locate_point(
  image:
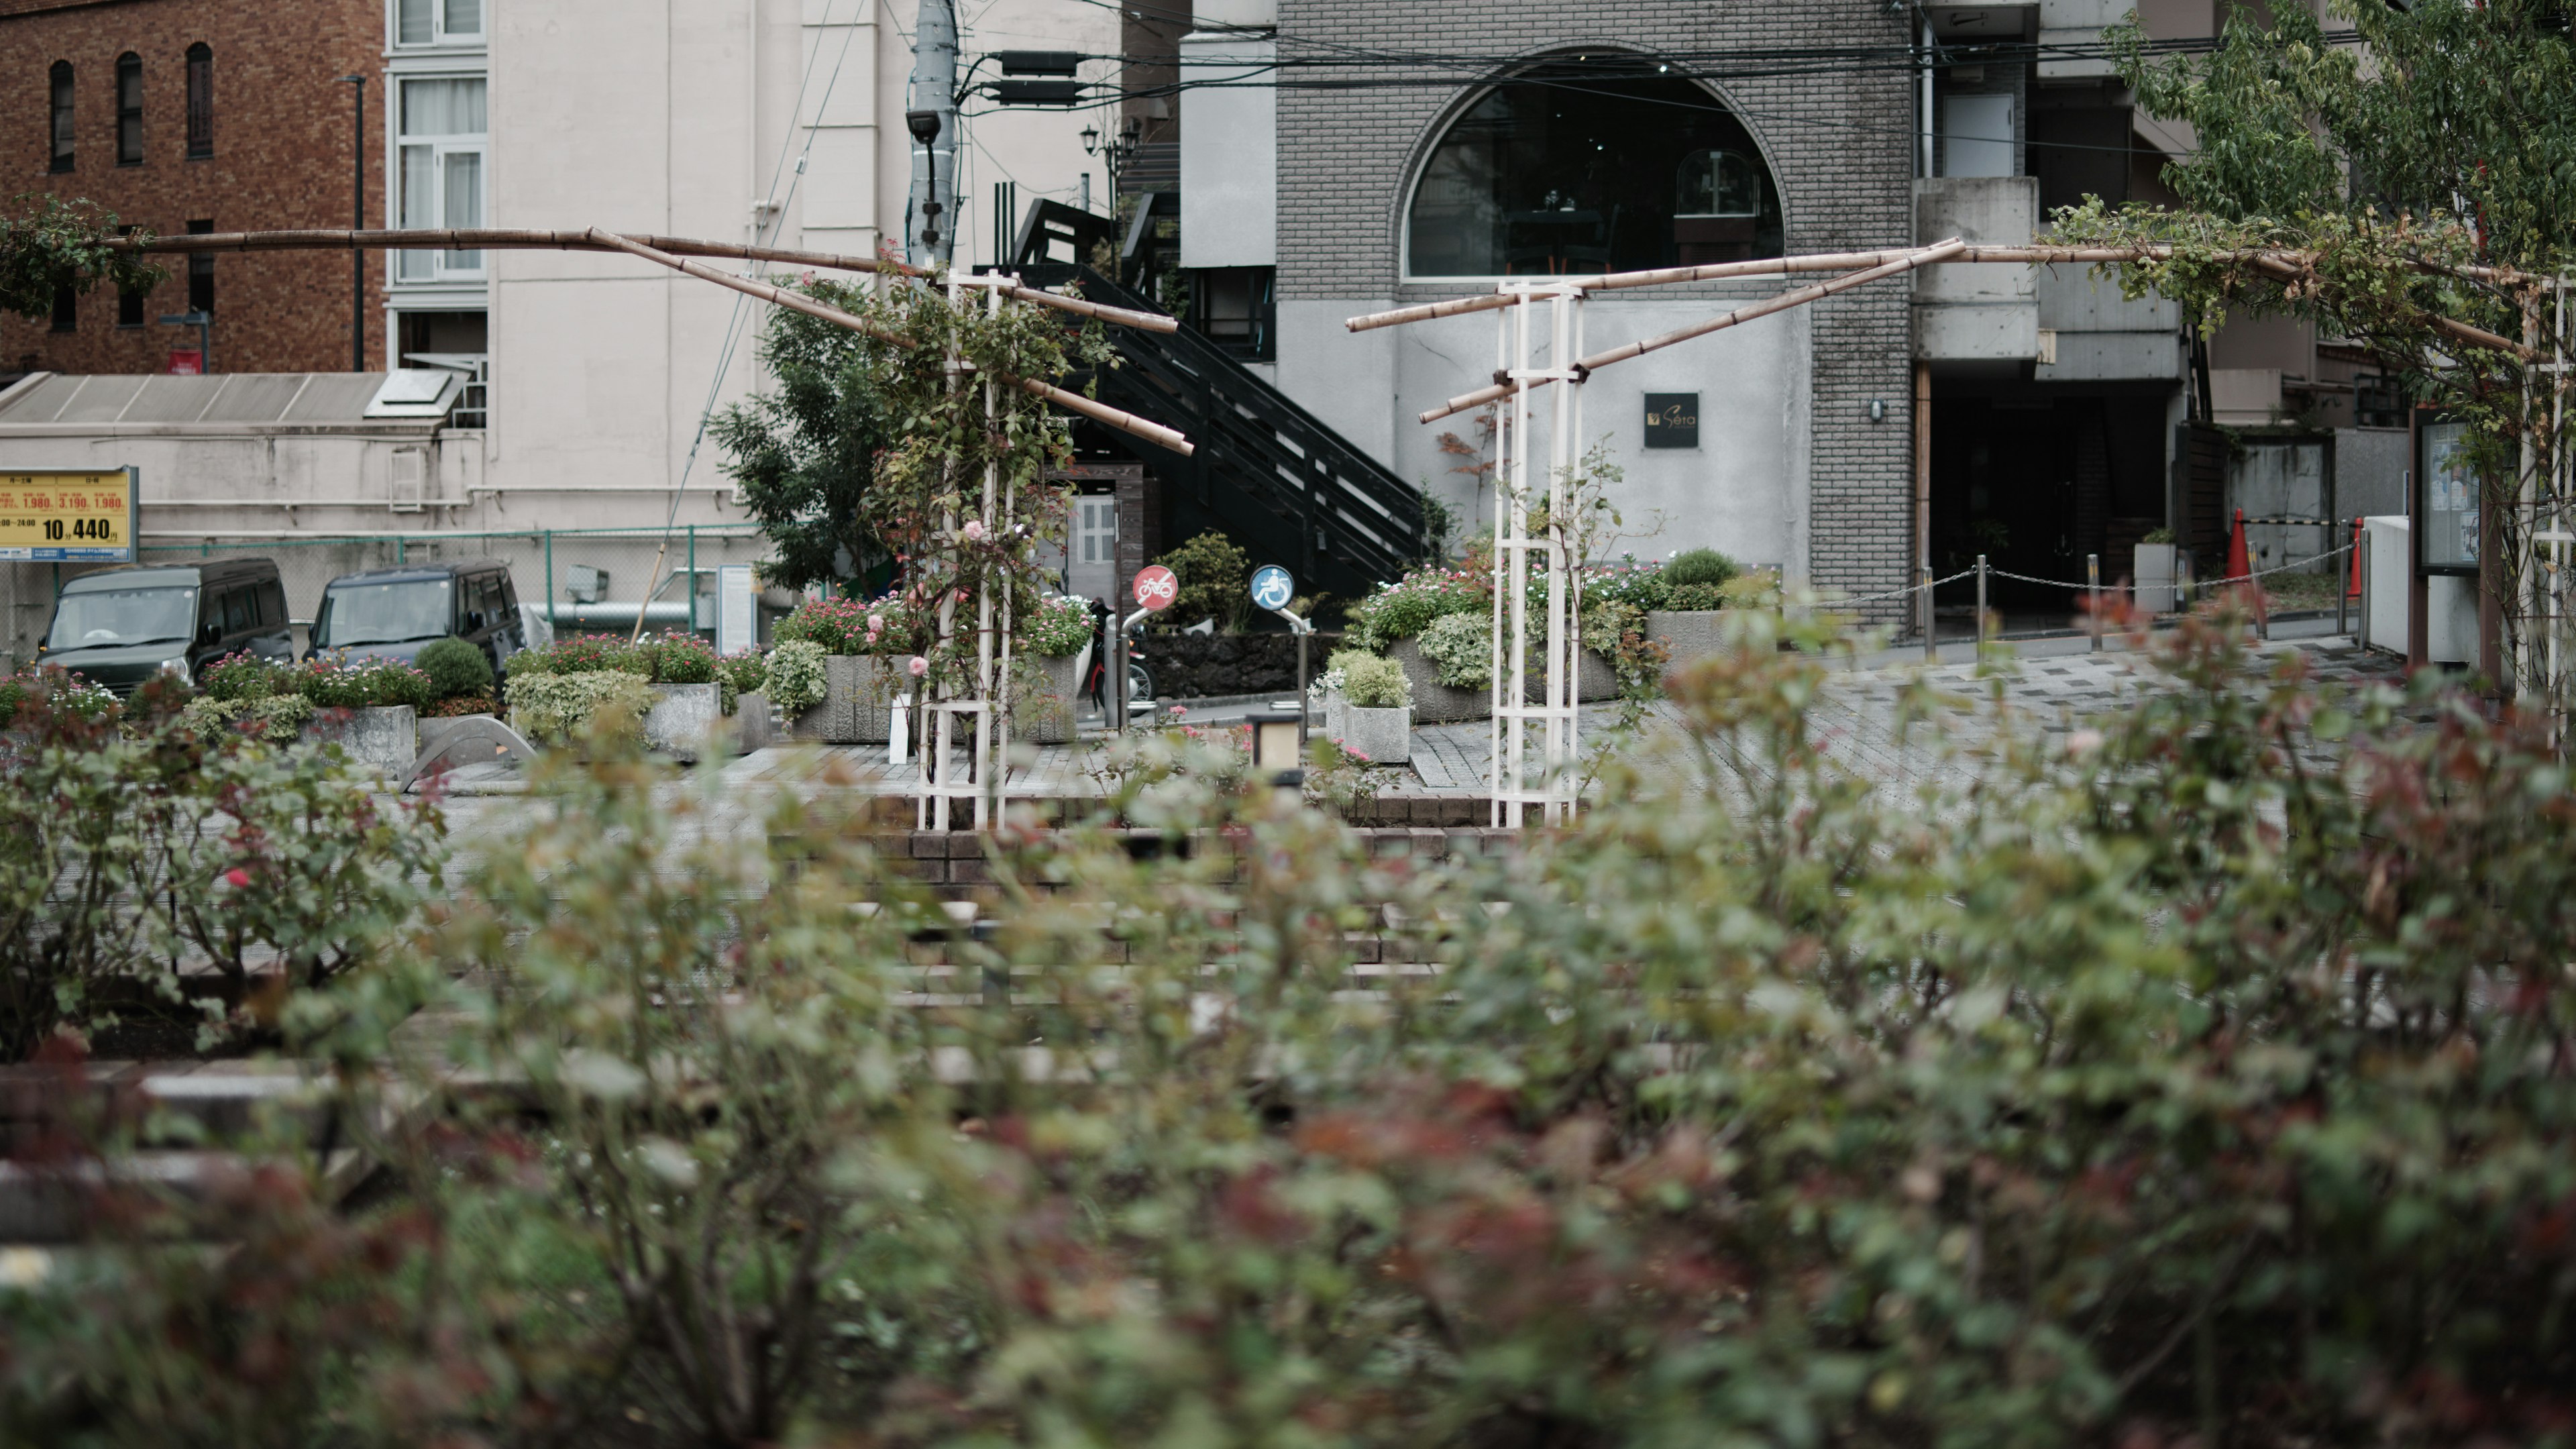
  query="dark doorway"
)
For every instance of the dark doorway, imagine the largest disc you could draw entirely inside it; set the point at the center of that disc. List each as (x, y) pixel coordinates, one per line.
(2037, 479)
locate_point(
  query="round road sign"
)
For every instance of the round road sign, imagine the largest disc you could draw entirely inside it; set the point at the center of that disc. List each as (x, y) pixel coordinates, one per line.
(1156, 588)
(1272, 588)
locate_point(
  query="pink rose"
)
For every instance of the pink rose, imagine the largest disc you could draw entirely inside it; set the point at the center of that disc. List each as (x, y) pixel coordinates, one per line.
(875, 622)
(237, 876)
(974, 530)
(919, 666)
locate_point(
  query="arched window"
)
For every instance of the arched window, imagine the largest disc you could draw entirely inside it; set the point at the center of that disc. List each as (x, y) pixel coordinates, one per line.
(201, 100)
(129, 109)
(1581, 167)
(62, 85)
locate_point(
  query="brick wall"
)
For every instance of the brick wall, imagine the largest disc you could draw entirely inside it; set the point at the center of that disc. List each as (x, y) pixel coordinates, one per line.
(1841, 146)
(282, 139)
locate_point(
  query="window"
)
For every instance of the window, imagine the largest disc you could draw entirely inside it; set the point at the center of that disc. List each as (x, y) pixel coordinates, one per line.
(437, 22)
(201, 271)
(66, 309)
(201, 101)
(62, 79)
(1235, 307)
(1554, 173)
(129, 109)
(440, 156)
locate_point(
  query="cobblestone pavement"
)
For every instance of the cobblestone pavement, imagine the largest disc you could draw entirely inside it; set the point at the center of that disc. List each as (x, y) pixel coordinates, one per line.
(1855, 720)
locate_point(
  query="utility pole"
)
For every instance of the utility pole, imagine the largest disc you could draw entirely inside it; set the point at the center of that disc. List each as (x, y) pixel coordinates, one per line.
(930, 225)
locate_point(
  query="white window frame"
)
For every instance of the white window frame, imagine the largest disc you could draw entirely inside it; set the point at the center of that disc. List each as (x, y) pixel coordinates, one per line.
(424, 269)
(439, 34)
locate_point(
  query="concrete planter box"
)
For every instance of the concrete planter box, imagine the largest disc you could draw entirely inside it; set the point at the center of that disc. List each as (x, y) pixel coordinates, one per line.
(858, 701)
(1336, 714)
(1384, 735)
(1595, 679)
(2152, 574)
(1434, 702)
(751, 726)
(385, 739)
(683, 718)
(1044, 715)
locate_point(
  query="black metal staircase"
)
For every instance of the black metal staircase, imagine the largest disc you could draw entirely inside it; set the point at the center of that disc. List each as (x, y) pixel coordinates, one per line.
(1272, 475)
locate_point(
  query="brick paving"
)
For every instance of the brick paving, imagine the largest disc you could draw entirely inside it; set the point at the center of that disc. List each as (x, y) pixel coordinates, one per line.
(1855, 720)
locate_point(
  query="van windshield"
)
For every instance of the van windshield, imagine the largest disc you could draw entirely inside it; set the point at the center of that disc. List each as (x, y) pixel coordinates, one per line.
(116, 618)
(355, 614)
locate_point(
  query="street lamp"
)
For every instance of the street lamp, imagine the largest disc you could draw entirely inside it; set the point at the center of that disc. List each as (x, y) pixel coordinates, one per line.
(924, 126)
(357, 222)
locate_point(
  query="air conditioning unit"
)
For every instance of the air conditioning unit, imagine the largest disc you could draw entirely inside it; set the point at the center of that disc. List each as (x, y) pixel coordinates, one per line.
(584, 584)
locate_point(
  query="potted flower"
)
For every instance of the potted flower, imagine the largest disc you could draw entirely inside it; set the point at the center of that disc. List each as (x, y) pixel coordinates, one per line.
(1050, 640)
(1378, 722)
(1396, 619)
(2152, 572)
(861, 642)
(370, 708)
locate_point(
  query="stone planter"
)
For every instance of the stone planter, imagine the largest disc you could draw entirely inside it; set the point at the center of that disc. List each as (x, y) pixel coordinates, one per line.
(683, 718)
(1385, 736)
(858, 701)
(2152, 574)
(1434, 702)
(751, 727)
(1043, 715)
(384, 739)
(1337, 714)
(1595, 679)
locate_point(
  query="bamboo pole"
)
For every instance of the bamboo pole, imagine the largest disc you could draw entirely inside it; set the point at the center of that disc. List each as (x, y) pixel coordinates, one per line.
(1841, 261)
(775, 296)
(1128, 423)
(1904, 263)
(507, 239)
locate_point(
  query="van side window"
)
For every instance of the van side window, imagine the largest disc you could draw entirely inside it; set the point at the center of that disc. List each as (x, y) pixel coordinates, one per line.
(272, 605)
(240, 613)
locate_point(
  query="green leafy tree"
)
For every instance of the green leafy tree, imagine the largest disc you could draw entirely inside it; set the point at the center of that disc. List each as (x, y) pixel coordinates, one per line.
(805, 452)
(51, 244)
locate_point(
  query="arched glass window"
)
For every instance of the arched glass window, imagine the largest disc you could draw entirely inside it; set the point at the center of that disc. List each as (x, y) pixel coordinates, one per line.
(201, 100)
(1566, 171)
(62, 128)
(129, 109)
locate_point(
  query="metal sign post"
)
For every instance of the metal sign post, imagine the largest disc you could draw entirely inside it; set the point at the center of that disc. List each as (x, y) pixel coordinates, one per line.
(1272, 589)
(1514, 791)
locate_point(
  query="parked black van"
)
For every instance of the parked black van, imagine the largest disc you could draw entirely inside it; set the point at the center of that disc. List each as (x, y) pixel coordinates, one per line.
(393, 613)
(121, 626)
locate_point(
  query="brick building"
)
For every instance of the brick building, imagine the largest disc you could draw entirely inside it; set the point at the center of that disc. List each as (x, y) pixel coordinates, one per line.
(211, 115)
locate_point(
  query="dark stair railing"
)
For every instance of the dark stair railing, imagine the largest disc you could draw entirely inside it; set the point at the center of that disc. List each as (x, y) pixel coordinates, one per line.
(1273, 475)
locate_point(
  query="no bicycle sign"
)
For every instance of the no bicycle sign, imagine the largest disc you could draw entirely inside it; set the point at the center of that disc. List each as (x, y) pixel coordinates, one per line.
(1156, 588)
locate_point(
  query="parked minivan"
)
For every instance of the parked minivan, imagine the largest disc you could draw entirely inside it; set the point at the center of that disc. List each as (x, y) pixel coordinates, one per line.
(394, 613)
(121, 626)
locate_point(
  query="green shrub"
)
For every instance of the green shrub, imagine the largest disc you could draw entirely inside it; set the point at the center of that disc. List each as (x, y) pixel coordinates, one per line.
(1461, 649)
(582, 654)
(1215, 579)
(795, 679)
(558, 707)
(1689, 598)
(1369, 682)
(1629, 582)
(1402, 610)
(278, 719)
(1700, 566)
(456, 667)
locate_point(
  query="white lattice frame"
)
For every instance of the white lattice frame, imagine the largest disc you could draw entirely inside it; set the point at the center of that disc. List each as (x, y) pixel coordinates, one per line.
(936, 782)
(1513, 790)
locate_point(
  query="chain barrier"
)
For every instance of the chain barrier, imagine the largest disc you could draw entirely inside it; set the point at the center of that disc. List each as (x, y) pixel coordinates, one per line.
(2282, 568)
(1901, 593)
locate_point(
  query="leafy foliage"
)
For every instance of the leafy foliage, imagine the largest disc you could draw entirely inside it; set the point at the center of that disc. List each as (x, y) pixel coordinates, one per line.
(1700, 566)
(1059, 626)
(278, 719)
(1403, 609)
(2199, 1073)
(850, 626)
(796, 682)
(455, 667)
(1215, 578)
(50, 244)
(740, 674)
(336, 682)
(1370, 682)
(559, 707)
(1461, 649)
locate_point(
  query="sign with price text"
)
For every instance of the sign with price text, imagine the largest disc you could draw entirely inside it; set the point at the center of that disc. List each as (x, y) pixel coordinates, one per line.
(67, 516)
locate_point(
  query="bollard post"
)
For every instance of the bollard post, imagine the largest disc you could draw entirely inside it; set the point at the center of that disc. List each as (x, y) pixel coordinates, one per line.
(1981, 606)
(2093, 596)
(693, 578)
(1931, 620)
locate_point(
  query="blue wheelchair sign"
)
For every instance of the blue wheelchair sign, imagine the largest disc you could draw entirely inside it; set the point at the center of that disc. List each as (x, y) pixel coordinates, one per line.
(1272, 588)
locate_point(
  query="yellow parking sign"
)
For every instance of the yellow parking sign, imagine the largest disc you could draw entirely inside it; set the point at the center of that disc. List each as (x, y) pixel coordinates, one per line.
(67, 515)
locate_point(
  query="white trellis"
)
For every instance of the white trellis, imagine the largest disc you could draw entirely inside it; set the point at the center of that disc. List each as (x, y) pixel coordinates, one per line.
(984, 700)
(1553, 790)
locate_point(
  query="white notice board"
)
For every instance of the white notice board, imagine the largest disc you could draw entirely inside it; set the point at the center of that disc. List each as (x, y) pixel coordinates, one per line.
(737, 623)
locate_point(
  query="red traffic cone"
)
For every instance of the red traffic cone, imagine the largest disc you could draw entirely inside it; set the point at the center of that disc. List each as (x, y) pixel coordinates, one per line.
(2239, 564)
(2352, 590)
